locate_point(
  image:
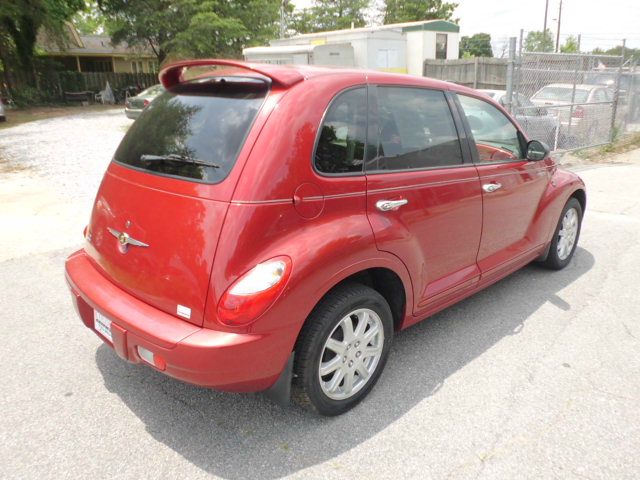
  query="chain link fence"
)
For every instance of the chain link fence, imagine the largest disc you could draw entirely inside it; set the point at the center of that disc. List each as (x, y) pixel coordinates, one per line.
(567, 100)
(572, 101)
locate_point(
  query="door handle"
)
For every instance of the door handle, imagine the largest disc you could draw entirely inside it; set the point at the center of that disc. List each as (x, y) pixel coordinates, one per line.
(491, 187)
(389, 205)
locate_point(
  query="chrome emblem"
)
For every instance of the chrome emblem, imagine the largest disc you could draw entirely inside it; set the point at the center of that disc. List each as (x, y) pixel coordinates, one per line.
(124, 240)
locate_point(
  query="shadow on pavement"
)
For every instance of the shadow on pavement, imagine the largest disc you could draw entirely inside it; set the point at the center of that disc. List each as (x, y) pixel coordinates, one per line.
(247, 436)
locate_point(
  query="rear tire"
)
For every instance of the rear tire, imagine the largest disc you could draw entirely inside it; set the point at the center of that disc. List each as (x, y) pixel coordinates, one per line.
(565, 237)
(342, 349)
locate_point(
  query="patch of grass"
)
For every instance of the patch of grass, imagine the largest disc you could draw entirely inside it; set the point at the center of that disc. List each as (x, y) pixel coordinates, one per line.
(24, 115)
(622, 144)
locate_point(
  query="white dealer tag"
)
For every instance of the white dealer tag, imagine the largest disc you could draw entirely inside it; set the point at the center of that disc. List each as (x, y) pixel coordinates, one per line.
(184, 312)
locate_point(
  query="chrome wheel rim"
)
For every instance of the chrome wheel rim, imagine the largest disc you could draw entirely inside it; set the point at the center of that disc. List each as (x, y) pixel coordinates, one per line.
(567, 234)
(351, 354)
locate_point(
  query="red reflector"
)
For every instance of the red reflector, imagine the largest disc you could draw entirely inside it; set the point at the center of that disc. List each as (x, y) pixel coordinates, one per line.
(152, 358)
(578, 112)
(160, 363)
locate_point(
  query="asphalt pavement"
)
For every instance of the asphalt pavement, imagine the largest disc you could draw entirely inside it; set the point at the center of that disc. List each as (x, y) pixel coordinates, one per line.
(536, 377)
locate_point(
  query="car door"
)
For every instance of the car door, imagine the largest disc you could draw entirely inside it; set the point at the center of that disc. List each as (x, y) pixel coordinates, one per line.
(512, 187)
(423, 201)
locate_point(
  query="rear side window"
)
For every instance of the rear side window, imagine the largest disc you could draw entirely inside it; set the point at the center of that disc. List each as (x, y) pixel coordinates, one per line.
(194, 131)
(415, 130)
(340, 148)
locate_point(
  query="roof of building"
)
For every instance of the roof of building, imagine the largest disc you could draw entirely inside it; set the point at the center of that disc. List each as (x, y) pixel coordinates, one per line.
(429, 25)
(90, 45)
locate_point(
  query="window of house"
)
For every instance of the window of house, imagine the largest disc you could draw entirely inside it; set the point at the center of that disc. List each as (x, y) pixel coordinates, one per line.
(415, 131)
(441, 45)
(343, 133)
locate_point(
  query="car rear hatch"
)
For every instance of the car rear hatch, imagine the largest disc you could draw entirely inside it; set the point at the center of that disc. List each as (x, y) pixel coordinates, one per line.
(160, 208)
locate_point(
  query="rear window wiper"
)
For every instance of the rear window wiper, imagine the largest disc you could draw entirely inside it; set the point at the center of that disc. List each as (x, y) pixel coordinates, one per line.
(175, 157)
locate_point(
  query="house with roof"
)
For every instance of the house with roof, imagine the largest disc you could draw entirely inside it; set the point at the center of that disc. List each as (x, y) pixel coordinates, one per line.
(96, 53)
(399, 47)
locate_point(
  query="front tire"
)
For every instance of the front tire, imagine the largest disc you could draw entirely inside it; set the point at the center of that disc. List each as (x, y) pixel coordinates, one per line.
(565, 237)
(342, 349)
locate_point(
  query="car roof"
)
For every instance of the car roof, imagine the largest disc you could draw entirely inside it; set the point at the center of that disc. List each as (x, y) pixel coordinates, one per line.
(497, 93)
(289, 75)
(581, 86)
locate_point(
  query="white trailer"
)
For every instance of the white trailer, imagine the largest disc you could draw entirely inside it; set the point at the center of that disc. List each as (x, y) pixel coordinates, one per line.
(335, 54)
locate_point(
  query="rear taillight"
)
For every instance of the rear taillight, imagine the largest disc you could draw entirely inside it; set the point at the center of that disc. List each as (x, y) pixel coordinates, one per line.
(578, 112)
(145, 102)
(254, 292)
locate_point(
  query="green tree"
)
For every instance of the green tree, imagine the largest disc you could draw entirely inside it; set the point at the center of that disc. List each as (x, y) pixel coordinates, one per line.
(397, 11)
(20, 23)
(326, 15)
(89, 20)
(188, 28)
(209, 35)
(570, 45)
(538, 41)
(629, 53)
(478, 45)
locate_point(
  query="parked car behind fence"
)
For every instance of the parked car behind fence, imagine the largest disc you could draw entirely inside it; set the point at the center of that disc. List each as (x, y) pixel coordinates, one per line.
(583, 111)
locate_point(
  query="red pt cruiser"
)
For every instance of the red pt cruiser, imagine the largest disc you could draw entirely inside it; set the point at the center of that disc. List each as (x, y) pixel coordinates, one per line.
(266, 227)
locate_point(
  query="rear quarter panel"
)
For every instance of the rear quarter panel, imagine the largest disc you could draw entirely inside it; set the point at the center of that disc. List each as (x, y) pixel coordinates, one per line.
(324, 230)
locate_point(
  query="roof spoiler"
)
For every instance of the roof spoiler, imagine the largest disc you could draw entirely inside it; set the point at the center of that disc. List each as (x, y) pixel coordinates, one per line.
(172, 74)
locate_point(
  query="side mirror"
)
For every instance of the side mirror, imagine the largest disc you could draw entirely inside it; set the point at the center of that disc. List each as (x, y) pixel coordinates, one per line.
(537, 150)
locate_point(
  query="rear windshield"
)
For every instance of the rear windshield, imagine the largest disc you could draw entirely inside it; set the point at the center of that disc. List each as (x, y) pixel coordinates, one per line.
(194, 131)
(561, 94)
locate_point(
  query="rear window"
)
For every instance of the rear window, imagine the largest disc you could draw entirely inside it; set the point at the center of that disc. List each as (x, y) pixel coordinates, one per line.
(194, 131)
(561, 94)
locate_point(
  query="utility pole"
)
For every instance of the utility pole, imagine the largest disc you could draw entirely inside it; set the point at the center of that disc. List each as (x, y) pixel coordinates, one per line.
(546, 12)
(283, 4)
(558, 33)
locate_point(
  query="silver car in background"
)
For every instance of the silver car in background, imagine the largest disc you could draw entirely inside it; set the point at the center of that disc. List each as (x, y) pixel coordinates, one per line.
(133, 106)
(586, 118)
(537, 122)
(2, 114)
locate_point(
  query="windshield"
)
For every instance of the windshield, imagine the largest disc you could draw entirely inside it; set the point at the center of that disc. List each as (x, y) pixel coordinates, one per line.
(561, 94)
(191, 125)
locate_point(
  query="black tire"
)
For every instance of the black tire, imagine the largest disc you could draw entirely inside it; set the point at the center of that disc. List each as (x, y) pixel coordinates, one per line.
(553, 260)
(336, 305)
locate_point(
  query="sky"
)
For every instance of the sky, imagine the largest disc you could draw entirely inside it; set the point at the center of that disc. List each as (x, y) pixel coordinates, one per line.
(601, 23)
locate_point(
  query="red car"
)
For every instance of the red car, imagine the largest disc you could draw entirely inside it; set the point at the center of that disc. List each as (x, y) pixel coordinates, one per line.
(267, 227)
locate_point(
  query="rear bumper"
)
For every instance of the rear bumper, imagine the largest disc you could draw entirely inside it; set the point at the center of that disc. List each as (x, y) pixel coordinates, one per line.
(201, 356)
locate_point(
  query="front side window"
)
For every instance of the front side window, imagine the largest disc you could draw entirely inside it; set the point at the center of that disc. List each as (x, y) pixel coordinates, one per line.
(415, 131)
(343, 133)
(495, 136)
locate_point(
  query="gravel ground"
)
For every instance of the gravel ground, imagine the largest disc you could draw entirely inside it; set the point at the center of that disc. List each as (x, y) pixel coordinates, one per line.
(69, 153)
(51, 170)
(536, 377)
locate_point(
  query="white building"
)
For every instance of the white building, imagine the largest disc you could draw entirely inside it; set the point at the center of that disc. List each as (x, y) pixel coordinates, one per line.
(399, 47)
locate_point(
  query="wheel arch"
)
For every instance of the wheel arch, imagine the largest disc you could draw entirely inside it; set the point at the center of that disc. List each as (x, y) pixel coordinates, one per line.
(393, 285)
(581, 195)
